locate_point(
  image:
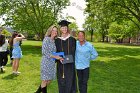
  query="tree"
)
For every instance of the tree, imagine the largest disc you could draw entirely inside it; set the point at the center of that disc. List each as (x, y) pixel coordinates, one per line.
(125, 29)
(73, 26)
(106, 14)
(99, 17)
(32, 15)
(131, 30)
(126, 9)
(6, 33)
(116, 31)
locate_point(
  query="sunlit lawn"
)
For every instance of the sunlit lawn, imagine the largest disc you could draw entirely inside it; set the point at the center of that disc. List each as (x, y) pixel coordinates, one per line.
(116, 70)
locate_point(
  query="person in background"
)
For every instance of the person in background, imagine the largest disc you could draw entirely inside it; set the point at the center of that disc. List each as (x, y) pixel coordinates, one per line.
(16, 52)
(85, 52)
(3, 51)
(0, 30)
(48, 67)
(11, 46)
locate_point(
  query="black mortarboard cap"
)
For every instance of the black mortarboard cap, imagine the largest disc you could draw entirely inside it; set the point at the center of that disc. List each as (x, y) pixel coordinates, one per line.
(64, 23)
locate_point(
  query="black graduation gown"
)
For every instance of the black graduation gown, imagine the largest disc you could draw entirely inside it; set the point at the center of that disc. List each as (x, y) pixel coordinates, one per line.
(68, 83)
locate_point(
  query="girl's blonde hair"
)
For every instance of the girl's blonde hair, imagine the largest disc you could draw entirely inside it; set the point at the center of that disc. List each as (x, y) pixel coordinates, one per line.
(49, 31)
(68, 31)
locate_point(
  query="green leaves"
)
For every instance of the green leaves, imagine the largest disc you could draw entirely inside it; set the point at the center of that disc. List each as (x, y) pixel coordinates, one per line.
(116, 31)
(6, 33)
(32, 15)
(115, 18)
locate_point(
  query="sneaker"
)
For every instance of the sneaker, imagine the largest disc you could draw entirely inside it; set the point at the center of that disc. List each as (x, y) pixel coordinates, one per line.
(17, 73)
(14, 72)
(1, 69)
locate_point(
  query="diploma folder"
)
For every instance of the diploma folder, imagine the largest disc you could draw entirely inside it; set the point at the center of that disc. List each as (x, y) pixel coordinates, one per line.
(61, 54)
(68, 59)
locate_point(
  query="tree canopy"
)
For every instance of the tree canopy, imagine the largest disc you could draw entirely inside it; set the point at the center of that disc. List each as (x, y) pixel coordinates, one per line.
(113, 18)
(31, 16)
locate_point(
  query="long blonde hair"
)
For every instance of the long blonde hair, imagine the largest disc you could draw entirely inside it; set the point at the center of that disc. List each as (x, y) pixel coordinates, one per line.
(68, 30)
(49, 31)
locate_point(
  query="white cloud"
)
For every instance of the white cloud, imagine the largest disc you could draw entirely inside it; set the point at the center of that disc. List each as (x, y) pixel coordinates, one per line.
(1, 19)
(76, 10)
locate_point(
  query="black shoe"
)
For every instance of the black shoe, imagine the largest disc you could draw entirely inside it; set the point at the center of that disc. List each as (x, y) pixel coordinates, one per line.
(38, 90)
(44, 90)
(2, 70)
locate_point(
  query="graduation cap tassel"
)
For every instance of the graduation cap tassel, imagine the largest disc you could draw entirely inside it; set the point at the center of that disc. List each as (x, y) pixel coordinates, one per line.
(63, 76)
(63, 72)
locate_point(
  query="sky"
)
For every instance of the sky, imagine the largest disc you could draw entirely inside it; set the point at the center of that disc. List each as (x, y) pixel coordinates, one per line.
(76, 9)
(1, 21)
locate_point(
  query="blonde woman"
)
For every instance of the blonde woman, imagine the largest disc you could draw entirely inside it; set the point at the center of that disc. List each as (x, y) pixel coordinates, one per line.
(48, 69)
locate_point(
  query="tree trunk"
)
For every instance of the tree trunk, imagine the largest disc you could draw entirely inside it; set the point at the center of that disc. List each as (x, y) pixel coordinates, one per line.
(107, 39)
(42, 36)
(91, 35)
(129, 41)
(103, 38)
(121, 40)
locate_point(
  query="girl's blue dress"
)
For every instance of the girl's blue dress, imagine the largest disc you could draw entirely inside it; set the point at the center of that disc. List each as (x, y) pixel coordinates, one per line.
(16, 53)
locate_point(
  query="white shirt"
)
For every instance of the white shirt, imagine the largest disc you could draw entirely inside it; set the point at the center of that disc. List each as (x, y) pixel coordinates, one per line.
(3, 48)
(64, 38)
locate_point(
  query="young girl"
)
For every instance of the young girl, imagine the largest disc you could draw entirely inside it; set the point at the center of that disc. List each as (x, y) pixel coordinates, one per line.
(16, 53)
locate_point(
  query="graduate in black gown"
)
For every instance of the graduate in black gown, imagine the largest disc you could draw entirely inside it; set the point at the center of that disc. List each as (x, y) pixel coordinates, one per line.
(66, 75)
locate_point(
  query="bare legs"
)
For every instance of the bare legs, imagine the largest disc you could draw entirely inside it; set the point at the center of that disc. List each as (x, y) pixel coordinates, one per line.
(15, 65)
(45, 83)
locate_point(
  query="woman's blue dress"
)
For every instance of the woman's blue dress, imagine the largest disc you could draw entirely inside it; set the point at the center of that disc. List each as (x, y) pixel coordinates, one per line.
(16, 53)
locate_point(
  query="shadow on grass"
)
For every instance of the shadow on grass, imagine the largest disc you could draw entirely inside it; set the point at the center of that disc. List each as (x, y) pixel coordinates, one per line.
(127, 44)
(10, 76)
(9, 65)
(117, 51)
(2, 72)
(116, 76)
(31, 49)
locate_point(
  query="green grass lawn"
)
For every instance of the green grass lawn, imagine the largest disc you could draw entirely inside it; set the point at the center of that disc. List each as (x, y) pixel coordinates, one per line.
(116, 70)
